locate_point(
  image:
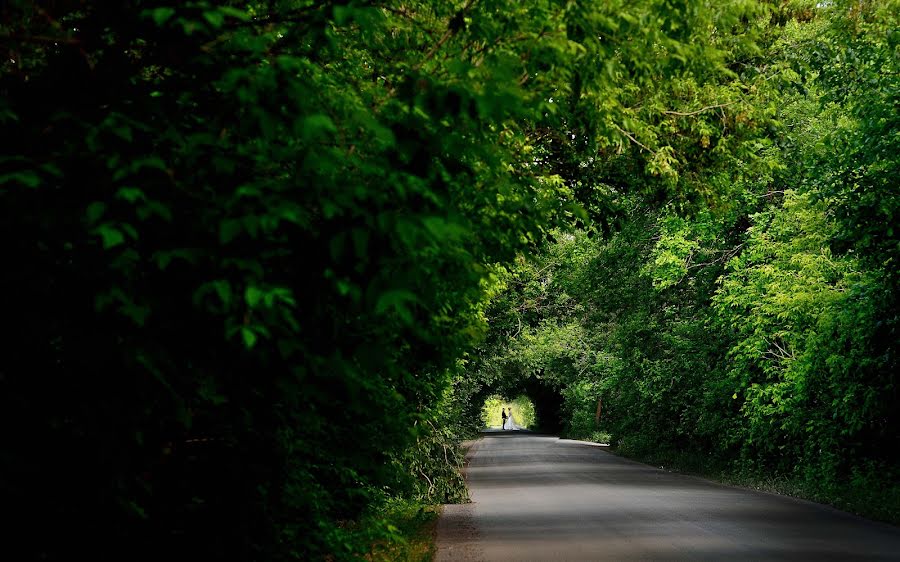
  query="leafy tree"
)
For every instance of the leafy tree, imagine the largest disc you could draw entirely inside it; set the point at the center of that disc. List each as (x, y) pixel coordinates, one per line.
(753, 335)
(252, 241)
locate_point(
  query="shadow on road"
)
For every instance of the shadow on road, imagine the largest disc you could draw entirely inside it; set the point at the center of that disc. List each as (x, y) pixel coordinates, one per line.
(492, 432)
(538, 497)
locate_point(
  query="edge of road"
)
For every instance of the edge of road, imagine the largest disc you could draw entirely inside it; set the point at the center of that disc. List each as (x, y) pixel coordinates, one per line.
(470, 446)
(456, 524)
(709, 480)
(454, 521)
(459, 530)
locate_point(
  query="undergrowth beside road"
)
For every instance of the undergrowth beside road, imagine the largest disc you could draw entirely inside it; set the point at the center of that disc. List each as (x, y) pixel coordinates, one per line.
(400, 524)
(411, 528)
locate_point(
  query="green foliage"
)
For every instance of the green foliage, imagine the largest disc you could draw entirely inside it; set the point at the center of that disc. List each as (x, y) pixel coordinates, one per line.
(433, 465)
(755, 337)
(580, 404)
(266, 259)
(410, 534)
(522, 407)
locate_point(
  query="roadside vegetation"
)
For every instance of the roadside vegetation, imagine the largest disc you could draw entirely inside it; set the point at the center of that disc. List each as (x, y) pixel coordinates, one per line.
(267, 260)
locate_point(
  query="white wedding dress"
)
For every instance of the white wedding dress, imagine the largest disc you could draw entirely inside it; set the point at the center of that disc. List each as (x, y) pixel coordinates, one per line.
(511, 424)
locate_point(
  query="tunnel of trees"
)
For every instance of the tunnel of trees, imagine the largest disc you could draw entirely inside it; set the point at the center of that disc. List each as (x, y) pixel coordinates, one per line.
(544, 398)
(266, 260)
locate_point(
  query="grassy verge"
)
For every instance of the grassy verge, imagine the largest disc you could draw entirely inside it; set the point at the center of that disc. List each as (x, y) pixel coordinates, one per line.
(406, 529)
(411, 537)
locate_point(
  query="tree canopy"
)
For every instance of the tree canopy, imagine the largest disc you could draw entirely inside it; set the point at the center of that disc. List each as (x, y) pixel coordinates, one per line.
(264, 256)
(756, 338)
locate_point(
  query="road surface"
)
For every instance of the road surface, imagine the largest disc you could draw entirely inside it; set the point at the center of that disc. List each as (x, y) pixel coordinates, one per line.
(541, 498)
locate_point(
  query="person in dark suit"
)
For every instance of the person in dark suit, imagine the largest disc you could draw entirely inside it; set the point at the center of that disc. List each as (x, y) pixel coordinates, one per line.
(503, 415)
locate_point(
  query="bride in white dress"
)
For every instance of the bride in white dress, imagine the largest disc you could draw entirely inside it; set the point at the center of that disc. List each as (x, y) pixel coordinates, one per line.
(511, 422)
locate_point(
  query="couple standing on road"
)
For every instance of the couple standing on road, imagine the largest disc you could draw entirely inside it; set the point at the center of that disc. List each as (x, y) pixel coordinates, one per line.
(508, 420)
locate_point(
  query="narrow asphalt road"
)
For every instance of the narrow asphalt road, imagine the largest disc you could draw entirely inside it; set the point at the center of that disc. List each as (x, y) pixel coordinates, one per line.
(541, 498)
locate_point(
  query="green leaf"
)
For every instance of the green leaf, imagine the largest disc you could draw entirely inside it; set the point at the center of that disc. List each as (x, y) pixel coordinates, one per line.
(235, 13)
(130, 194)
(123, 132)
(316, 126)
(223, 289)
(214, 17)
(162, 15)
(137, 313)
(344, 287)
(27, 178)
(253, 295)
(95, 211)
(164, 258)
(111, 236)
(154, 208)
(129, 230)
(152, 162)
(52, 169)
(443, 229)
(249, 337)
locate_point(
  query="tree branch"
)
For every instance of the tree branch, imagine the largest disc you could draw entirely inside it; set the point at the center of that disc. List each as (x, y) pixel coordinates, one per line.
(634, 140)
(701, 110)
